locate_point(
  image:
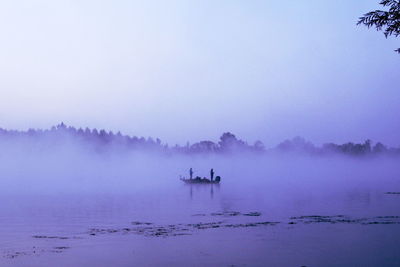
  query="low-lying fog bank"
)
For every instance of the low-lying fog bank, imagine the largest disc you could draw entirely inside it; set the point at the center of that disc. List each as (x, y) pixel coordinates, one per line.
(62, 197)
(73, 168)
(61, 136)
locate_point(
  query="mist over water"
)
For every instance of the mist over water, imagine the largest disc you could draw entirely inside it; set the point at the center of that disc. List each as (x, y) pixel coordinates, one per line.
(219, 86)
(57, 203)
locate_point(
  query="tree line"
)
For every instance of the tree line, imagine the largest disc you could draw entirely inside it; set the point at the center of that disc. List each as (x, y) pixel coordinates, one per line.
(102, 141)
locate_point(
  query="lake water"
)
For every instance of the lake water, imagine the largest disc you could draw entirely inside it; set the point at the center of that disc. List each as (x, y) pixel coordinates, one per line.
(265, 212)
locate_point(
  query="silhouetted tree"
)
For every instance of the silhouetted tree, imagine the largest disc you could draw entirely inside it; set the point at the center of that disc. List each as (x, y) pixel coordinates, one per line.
(229, 142)
(80, 132)
(158, 141)
(298, 144)
(379, 148)
(101, 141)
(386, 21)
(204, 147)
(61, 126)
(87, 132)
(259, 146)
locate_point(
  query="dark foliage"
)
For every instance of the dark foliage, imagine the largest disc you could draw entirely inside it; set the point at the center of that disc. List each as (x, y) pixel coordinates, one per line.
(101, 141)
(299, 145)
(386, 21)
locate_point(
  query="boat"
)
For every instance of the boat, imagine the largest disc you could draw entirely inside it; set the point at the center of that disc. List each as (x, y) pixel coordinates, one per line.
(199, 180)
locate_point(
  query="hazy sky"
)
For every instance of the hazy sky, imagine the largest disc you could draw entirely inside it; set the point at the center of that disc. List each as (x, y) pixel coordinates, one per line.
(190, 70)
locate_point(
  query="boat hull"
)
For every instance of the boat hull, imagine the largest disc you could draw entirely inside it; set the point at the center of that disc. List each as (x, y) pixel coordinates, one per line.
(199, 181)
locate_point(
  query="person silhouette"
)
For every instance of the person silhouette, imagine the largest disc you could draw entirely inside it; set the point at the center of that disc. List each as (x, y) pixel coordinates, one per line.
(212, 174)
(191, 173)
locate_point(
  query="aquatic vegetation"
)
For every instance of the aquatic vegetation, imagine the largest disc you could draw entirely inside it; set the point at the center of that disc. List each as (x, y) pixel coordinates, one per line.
(140, 223)
(253, 214)
(150, 230)
(311, 219)
(50, 237)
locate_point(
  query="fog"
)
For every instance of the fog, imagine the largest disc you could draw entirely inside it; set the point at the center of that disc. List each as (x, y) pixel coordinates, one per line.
(72, 168)
(292, 105)
(60, 200)
(185, 71)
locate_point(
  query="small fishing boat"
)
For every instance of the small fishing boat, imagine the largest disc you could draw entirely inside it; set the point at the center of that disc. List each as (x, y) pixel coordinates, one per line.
(199, 180)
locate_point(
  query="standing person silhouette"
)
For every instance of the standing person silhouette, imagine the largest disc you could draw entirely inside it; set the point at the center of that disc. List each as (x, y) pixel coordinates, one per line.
(191, 173)
(212, 174)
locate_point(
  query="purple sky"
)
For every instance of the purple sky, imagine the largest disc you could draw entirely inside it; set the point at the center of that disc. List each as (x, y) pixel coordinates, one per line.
(190, 70)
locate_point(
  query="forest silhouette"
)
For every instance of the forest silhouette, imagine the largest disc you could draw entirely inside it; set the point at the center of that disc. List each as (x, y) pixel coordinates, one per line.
(101, 141)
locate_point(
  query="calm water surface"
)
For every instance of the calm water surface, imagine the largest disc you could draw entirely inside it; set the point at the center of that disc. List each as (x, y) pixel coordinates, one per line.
(302, 213)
